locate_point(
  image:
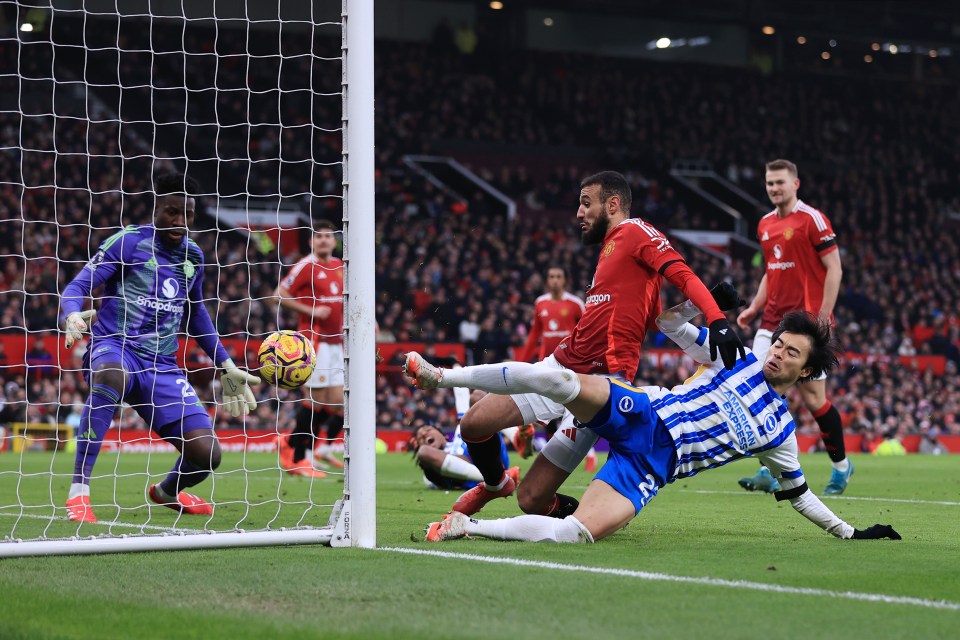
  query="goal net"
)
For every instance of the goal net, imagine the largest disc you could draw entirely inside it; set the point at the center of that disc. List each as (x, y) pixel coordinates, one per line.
(269, 108)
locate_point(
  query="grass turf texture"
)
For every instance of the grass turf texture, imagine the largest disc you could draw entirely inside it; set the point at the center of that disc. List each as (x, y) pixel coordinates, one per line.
(704, 527)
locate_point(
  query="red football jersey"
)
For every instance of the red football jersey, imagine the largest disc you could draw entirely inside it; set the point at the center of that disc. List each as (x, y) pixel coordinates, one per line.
(313, 282)
(553, 320)
(622, 303)
(791, 248)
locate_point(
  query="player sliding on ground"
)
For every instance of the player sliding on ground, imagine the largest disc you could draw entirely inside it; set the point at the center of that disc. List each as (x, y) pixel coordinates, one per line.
(658, 435)
(152, 277)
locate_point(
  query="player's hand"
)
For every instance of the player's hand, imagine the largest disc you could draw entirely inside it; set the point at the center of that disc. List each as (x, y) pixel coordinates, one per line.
(876, 532)
(726, 296)
(726, 342)
(746, 317)
(321, 312)
(238, 398)
(76, 323)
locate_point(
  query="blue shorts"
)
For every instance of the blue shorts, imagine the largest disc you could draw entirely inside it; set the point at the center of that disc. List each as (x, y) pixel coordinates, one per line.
(643, 455)
(157, 388)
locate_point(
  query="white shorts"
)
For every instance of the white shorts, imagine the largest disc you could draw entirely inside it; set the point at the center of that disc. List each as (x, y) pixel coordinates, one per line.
(329, 369)
(569, 445)
(762, 340)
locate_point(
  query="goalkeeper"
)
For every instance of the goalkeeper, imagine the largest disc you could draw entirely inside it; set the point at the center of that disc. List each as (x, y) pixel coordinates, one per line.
(658, 435)
(152, 279)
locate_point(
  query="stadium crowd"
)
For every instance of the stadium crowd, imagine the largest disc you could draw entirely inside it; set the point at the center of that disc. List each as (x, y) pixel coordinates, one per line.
(879, 162)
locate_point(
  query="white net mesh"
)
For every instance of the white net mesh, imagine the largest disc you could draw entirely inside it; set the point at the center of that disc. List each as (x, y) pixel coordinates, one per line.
(94, 106)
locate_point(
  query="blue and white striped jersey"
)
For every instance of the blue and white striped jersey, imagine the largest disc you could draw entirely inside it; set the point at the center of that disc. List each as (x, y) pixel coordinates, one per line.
(718, 415)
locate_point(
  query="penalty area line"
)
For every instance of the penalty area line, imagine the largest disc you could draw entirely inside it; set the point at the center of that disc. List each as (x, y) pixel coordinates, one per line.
(664, 577)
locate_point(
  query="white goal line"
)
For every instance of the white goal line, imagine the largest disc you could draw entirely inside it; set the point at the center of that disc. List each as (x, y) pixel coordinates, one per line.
(664, 577)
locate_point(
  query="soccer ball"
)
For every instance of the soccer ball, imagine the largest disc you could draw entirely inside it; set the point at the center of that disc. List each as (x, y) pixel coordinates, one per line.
(286, 359)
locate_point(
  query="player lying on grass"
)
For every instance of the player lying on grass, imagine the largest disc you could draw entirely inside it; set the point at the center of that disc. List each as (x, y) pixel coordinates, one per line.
(447, 464)
(152, 277)
(658, 435)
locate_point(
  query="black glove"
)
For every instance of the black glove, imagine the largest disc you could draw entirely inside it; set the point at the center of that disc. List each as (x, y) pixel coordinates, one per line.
(876, 532)
(725, 340)
(726, 296)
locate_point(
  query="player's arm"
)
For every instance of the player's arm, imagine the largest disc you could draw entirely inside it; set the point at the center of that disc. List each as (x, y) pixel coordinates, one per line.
(283, 296)
(695, 341)
(783, 464)
(724, 341)
(749, 314)
(104, 264)
(238, 398)
(831, 283)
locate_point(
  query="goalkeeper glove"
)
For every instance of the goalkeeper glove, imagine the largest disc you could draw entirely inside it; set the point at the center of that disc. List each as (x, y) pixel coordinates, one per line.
(724, 340)
(876, 532)
(726, 296)
(75, 324)
(238, 399)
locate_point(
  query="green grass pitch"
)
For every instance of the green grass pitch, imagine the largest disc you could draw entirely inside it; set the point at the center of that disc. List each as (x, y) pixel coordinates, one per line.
(704, 559)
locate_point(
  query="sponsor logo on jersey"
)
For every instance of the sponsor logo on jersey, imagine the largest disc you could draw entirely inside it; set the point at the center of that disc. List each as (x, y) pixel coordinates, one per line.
(828, 238)
(553, 325)
(334, 289)
(96, 260)
(157, 305)
(598, 298)
(662, 243)
(780, 266)
(170, 288)
(777, 251)
(739, 422)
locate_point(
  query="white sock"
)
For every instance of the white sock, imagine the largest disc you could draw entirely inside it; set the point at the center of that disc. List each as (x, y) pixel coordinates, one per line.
(162, 495)
(324, 449)
(507, 378)
(78, 489)
(459, 469)
(530, 528)
(841, 466)
(461, 398)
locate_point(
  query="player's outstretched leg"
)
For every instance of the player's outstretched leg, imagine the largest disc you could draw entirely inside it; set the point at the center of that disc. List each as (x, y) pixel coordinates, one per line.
(199, 456)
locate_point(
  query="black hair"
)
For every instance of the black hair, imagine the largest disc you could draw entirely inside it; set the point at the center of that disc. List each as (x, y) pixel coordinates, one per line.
(825, 348)
(563, 270)
(324, 225)
(175, 183)
(611, 184)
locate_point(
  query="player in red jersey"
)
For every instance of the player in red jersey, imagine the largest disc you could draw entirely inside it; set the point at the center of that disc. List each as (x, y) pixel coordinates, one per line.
(555, 314)
(314, 289)
(623, 301)
(803, 272)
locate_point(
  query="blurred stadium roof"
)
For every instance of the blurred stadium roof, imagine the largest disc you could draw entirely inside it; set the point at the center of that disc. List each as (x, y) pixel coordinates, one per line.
(937, 19)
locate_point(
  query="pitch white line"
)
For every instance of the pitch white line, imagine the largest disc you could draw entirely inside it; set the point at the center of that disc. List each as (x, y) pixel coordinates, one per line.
(119, 525)
(867, 499)
(664, 577)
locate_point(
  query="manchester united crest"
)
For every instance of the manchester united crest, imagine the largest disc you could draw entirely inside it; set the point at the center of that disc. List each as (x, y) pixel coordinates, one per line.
(788, 233)
(608, 249)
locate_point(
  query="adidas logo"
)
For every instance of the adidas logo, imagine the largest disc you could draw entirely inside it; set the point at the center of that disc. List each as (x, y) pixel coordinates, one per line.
(571, 433)
(723, 332)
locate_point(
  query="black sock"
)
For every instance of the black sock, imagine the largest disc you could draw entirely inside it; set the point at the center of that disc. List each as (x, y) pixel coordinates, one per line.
(563, 506)
(302, 437)
(486, 457)
(831, 432)
(334, 426)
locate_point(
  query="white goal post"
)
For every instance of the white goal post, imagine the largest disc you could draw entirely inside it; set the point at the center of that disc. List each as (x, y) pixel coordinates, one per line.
(257, 503)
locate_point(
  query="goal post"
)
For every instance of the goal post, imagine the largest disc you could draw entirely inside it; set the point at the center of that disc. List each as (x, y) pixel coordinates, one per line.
(73, 129)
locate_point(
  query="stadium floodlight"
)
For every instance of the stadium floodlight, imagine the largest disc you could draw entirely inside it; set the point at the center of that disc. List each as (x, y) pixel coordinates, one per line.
(259, 108)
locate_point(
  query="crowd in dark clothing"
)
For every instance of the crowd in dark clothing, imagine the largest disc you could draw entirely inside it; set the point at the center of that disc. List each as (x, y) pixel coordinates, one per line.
(880, 163)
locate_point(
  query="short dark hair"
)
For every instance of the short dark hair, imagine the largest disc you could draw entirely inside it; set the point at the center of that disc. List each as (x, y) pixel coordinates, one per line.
(563, 270)
(825, 348)
(611, 184)
(780, 164)
(324, 225)
(170, 184)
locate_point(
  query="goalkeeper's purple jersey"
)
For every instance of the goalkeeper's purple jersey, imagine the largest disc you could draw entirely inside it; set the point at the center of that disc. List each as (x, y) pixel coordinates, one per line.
(148, 289)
